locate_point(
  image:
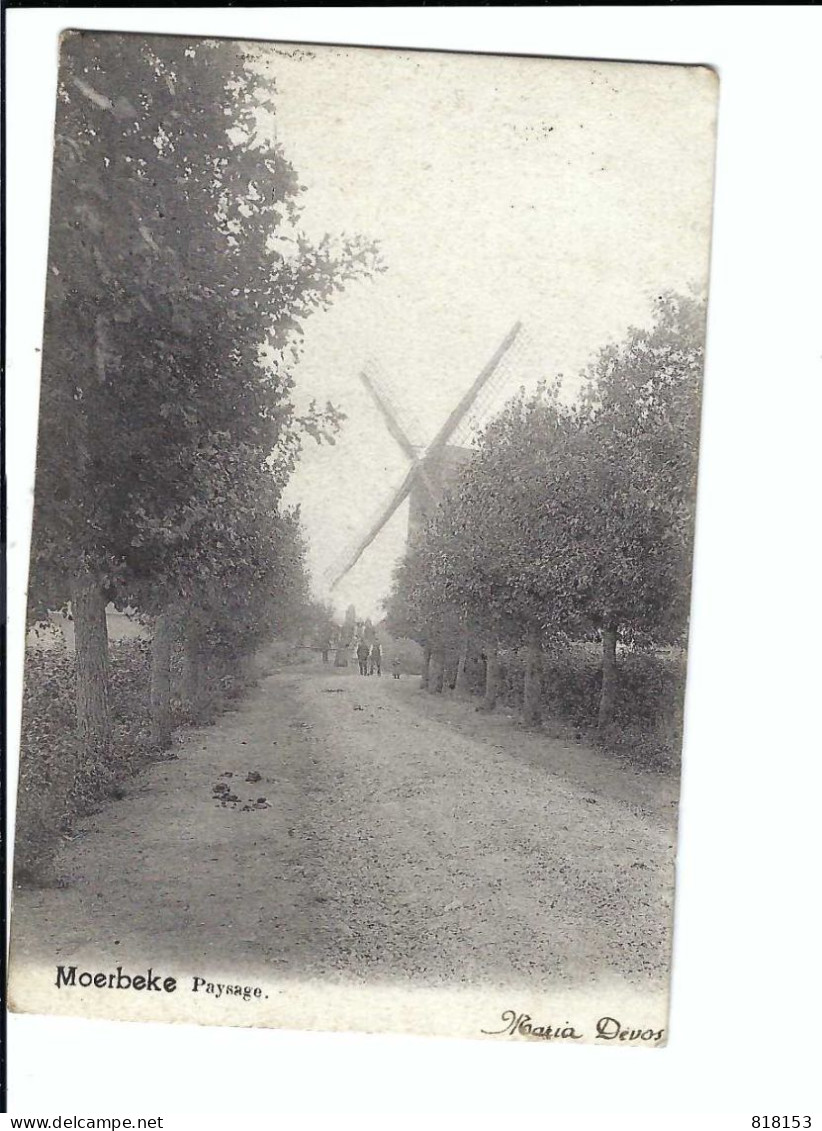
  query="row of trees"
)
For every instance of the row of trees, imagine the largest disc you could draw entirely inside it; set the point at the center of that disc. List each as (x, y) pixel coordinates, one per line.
(179, 283)
(571, 520)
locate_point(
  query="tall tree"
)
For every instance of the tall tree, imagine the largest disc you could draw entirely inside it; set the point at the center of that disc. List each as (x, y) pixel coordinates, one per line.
(172, 317)
(629, 489)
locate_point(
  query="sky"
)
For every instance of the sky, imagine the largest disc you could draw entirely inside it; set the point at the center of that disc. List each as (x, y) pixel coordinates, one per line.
(561, 194)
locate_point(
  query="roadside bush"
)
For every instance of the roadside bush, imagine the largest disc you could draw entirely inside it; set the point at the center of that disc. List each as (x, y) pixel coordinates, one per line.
(129, 685)
(55, 786)
(649, 716)
(650, 746)
(48, 761)
(651, 686)
(647, 726)
(571, 682)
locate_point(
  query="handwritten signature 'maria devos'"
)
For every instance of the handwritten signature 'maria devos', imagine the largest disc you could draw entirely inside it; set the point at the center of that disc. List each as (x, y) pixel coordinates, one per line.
(608, 1029)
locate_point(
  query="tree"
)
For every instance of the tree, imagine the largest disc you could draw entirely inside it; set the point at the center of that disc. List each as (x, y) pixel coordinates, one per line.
(482, 570)
(318, 624)
(629, 485)
(346, 637)
(172, 316)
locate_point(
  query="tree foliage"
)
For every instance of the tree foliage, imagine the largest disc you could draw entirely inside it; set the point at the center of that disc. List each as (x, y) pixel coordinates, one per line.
(179, 280)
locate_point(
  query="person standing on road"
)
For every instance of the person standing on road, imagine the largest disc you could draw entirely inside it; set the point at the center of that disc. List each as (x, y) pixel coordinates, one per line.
(376, 658)
(362, 657)
(395, 667)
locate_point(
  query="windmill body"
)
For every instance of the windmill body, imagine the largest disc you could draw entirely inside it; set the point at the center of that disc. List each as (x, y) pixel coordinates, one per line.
(438, 471)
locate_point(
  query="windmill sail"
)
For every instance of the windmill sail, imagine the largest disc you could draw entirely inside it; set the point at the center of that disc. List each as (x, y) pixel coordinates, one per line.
(399, 497)
(450, 425)
(418, 471)
(524, 363)
(389, 415)
(381, 386)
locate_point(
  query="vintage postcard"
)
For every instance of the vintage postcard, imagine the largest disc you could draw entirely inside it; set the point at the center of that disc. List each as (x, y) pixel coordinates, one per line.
(361, 557)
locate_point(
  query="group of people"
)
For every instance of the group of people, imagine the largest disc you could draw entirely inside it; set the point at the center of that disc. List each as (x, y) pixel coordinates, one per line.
(369, 658)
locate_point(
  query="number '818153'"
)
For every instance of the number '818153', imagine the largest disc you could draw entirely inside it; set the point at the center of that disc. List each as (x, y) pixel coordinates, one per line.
(768, 1122)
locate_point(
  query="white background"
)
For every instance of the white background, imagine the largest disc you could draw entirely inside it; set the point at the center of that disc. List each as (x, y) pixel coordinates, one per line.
(744, 1021)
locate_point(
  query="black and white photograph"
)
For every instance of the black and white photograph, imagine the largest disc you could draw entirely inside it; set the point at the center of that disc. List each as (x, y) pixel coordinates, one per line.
(363, 527)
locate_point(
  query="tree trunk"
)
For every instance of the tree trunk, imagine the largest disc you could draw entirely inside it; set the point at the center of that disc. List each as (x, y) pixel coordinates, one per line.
(436, 669)
(462, 684)
(194, 689)
(426, 667)
(532, 694)
(607, 698)
(225, 673)
(162, 640)
(489, 701)
(450, 658)
(88, 606)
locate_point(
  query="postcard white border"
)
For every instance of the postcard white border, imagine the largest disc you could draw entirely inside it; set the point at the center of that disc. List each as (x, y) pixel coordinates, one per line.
(742, 1027)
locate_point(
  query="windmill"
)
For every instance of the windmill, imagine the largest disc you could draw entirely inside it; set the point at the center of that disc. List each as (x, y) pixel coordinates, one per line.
(429, 473)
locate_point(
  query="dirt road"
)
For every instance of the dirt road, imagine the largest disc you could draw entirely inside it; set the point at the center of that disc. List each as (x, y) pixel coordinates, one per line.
(400, 834)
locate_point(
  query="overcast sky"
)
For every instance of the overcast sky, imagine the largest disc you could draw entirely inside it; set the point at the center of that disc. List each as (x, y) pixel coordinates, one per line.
(562, 194)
